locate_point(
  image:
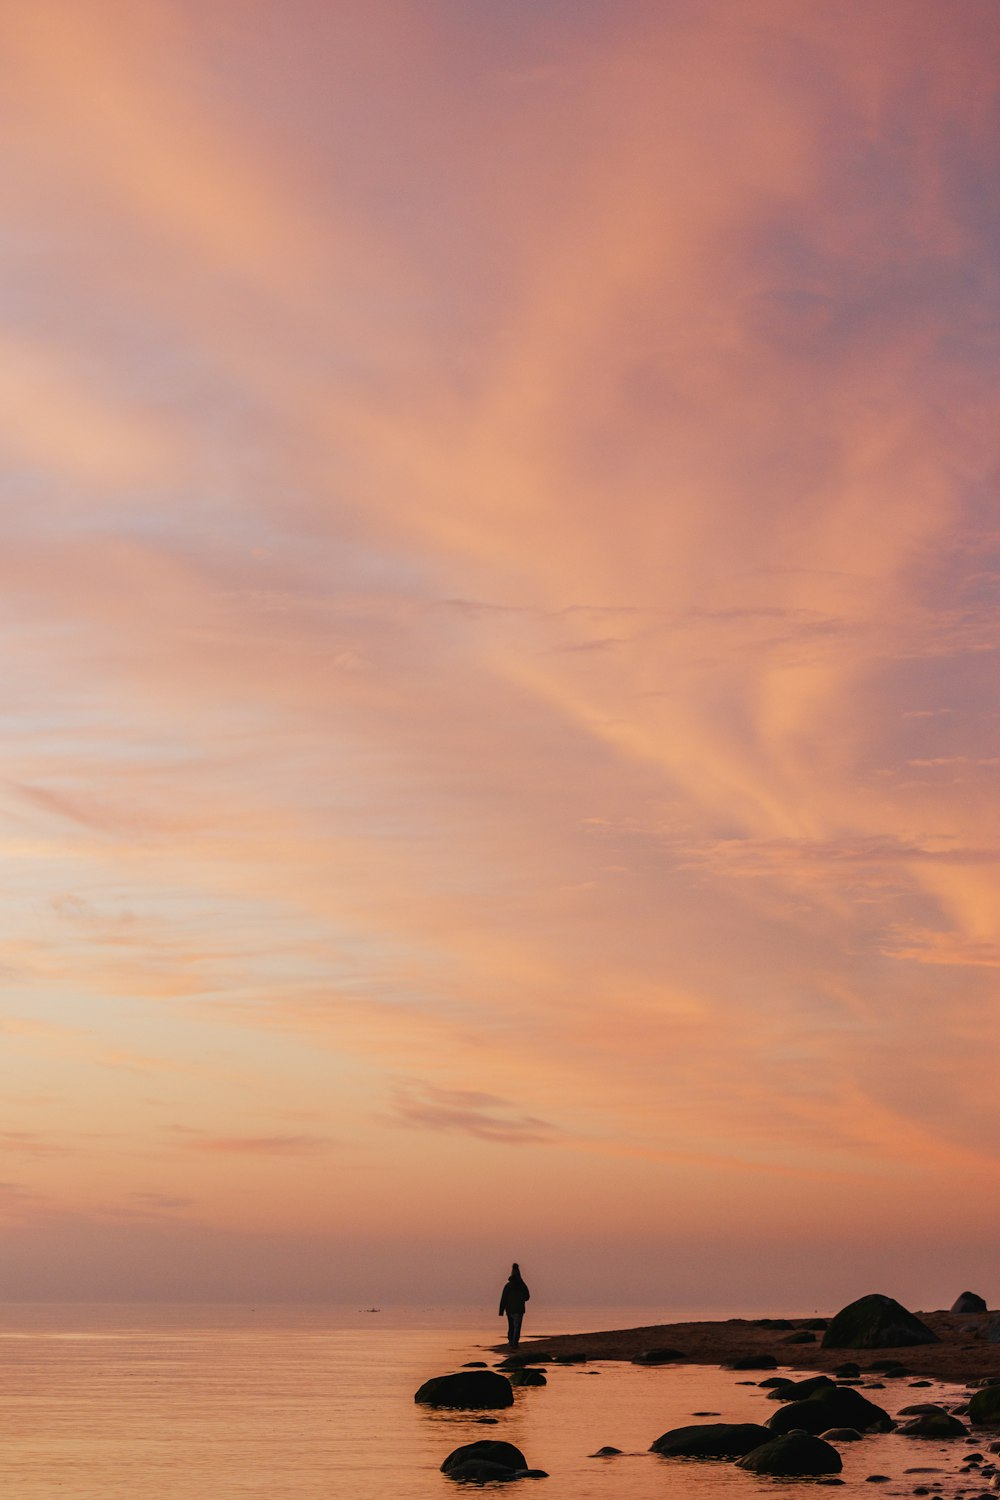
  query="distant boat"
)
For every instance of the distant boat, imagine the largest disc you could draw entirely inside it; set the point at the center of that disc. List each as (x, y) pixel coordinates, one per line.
(369, 1309)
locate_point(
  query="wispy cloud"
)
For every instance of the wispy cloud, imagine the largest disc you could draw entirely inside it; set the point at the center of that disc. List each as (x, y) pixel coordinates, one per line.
(485, 1116)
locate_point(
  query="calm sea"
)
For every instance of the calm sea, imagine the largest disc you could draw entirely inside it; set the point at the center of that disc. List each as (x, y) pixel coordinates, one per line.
(214, 1403)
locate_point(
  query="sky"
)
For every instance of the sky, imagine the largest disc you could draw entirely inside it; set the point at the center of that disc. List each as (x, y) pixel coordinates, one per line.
(498, 589)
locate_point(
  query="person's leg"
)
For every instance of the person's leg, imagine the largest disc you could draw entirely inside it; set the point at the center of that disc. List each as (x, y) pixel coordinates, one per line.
(514, 1331)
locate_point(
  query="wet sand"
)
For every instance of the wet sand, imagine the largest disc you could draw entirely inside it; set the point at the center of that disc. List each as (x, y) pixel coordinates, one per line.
(963, 1355)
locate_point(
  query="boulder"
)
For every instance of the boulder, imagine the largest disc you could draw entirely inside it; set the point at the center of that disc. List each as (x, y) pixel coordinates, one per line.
(921, 1409)
(481, 1471)
(969, 1302)
(793, 1453)
(934, 1424)
(711, 1440)
(984, 1406)
(801, 1390)
(876, 1322)
(831, 1406)
(469, 1390)
(842, 1435)
(527, 1376)
(606, 1452)
(847, 1371)
(657, 1357)
(800, 1338)
(818, 1325)
(488, 1451)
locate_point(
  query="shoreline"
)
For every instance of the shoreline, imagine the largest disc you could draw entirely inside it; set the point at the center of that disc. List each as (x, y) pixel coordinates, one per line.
(963, 1355)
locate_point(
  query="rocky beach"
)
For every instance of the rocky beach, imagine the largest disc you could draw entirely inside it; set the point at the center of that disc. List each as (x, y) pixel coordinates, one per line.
(967, 1347)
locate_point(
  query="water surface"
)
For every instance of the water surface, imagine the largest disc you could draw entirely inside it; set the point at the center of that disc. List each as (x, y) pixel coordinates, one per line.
(174, 1403)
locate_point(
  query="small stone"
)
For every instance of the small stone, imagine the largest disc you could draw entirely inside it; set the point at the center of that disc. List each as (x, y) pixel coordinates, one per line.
(877, 1479)
(606, 1452)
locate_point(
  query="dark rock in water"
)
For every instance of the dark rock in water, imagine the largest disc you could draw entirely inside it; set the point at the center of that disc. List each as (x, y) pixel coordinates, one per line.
(923, 1409)
(527, 1376)
(794, 1453)
(469, 1390)
(778, 1323)
(711, 1440)
(481, 1471)
(879, 1479)
(486, 1421)
(658, 1357)
(849, 1370)
(533, 1474)
(569, 1359)
(488, 1450)
(876, 1322)
(751, 1362)
(969, 1302)
(801, 1390)
(706, 1414)
(831, 1406)
(773, 1382)
(800, 1338)
(518, 1361)
(475, 1364)
(934, 1424)
(915, 1384)
(606, 1452)
(842, 1435)
(985, 1405)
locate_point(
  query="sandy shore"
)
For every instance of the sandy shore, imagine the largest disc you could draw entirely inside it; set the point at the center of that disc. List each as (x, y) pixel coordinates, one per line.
(963, 1355)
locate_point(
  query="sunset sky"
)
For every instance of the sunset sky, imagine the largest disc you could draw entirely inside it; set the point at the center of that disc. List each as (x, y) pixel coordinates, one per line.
(501, 712)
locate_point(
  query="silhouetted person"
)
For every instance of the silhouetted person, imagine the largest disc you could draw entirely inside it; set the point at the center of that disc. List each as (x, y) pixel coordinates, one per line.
(512, 1299)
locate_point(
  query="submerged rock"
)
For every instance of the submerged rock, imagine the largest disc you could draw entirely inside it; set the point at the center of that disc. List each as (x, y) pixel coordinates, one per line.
(469, 1390)
(657, 1357)
(842, 1435)
(793, 1453)
(711, 1440)
(800, 1390)
(876, 1322)
(933, 1424)
(527, 1376)
(488, 1462)
(831, 1406)
(490, 1451)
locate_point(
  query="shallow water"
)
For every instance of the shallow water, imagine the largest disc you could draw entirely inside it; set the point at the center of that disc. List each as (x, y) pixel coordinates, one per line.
(177, 1403)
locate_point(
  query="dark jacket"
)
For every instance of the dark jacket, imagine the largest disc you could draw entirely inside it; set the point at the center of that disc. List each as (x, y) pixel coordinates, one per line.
(514, 1295)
